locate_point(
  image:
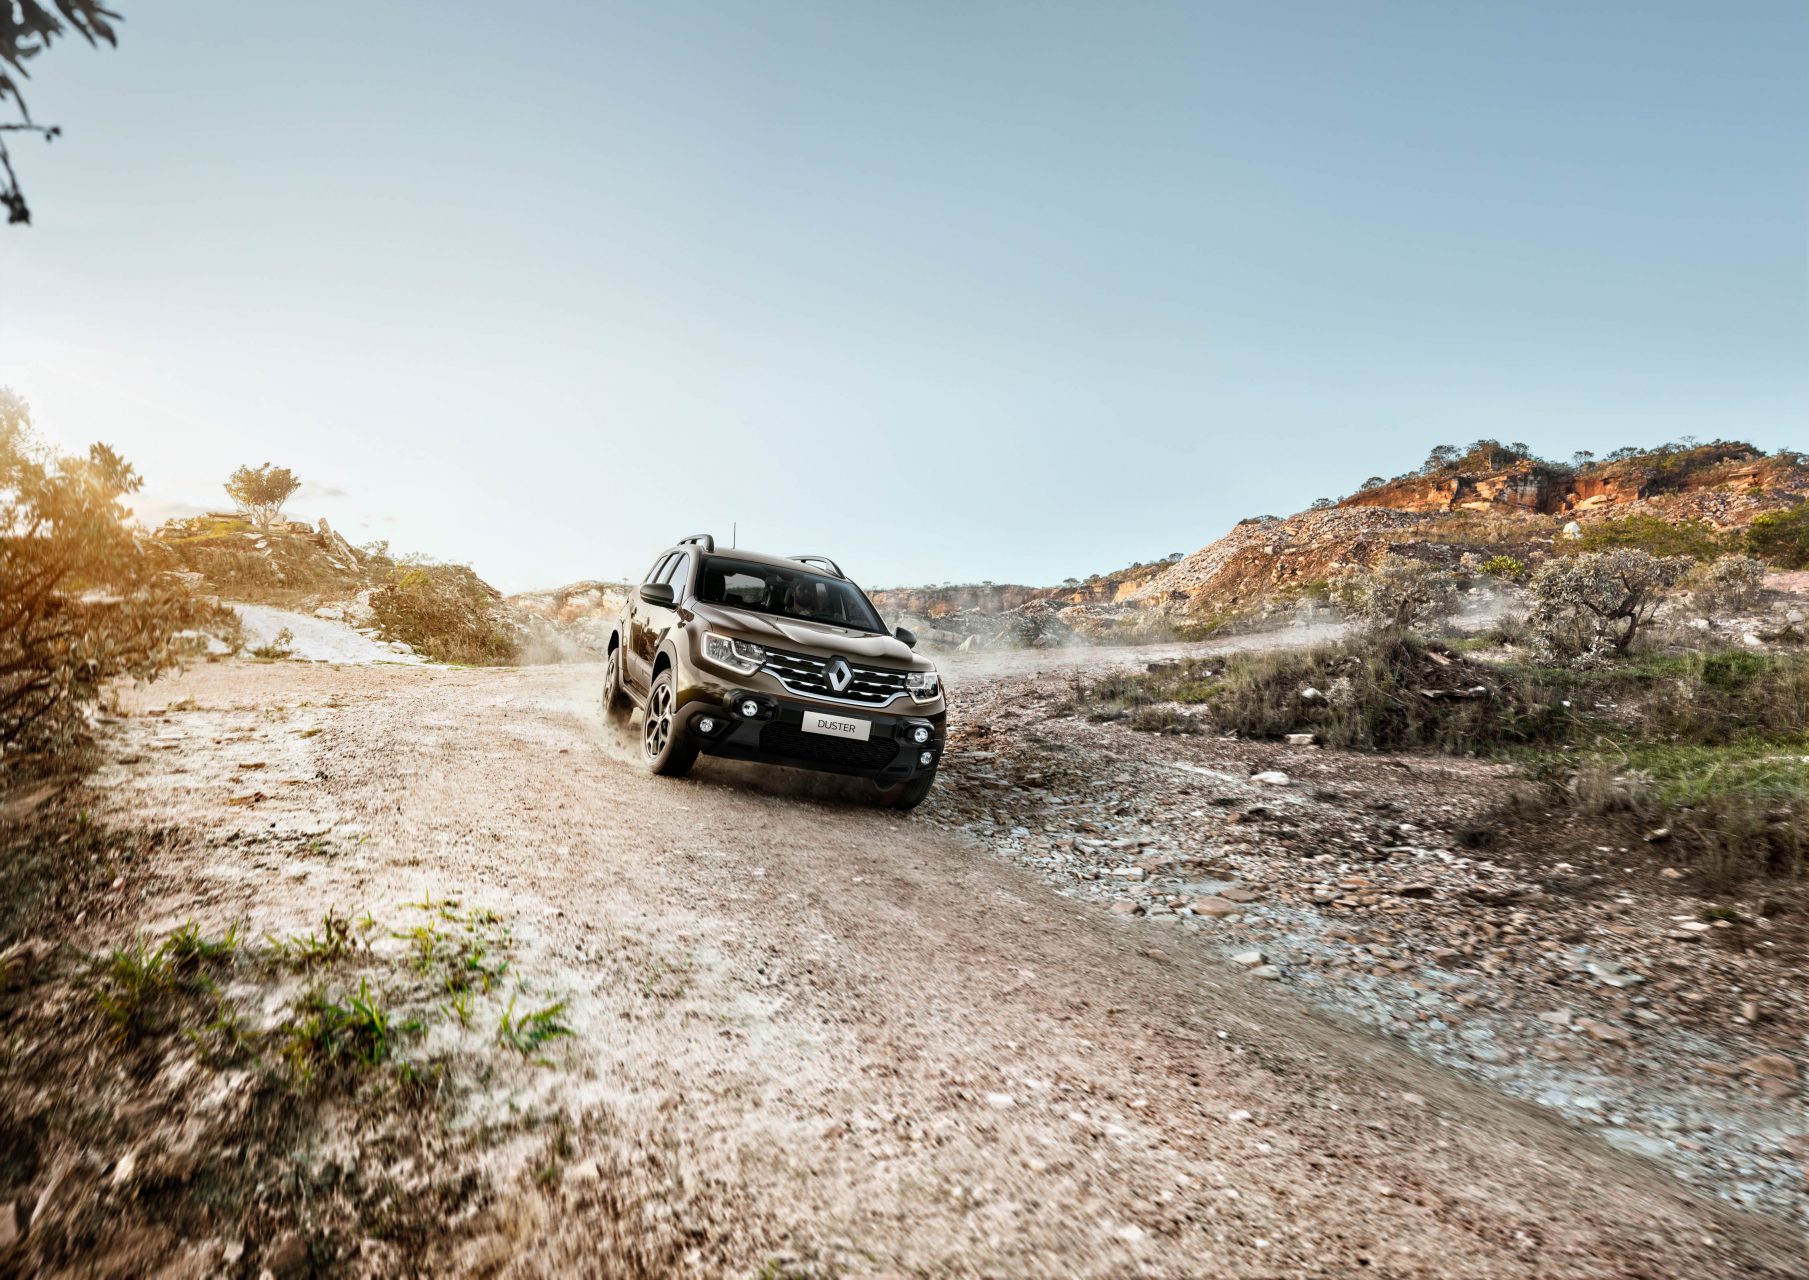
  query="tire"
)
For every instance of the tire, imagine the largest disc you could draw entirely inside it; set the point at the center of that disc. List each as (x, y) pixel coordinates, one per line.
(908, 795)
(661, 745)
(616, 703)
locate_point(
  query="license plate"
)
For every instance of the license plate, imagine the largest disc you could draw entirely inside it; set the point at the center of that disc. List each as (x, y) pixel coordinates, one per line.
(837, 726)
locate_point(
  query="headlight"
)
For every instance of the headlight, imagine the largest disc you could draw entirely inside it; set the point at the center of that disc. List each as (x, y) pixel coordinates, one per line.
(922, 684)
(737, 655)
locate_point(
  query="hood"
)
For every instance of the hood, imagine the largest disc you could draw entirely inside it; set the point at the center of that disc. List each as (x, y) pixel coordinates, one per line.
(820, 637)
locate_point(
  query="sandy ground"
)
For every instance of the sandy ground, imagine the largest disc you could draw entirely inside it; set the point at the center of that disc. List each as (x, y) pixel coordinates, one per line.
(859, 1038)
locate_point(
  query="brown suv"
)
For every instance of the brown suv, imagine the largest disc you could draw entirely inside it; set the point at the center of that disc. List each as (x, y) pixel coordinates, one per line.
(779, 659)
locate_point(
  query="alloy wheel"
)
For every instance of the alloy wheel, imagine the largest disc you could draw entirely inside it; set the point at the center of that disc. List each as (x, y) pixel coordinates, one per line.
(658, 727)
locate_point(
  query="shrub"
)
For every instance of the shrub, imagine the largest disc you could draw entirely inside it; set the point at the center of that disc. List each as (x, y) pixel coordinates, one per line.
(445, 611)
(1384, 691)
(83, 599)
(1398, 594)
(1504, 567)
(1588, 608)
(1732, 582)
(1781, 538)
(1696, 539)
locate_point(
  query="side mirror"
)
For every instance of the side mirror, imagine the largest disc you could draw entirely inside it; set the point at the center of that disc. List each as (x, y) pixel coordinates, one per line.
(908, 636)
(659, 593)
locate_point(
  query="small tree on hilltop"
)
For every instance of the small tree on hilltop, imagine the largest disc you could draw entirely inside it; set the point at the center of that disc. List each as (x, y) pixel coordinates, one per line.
(260, 492)
(1588, 608)
(1397, 595)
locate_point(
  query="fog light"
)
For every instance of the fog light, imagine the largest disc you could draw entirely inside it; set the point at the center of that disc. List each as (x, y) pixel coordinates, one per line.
(921, 734)
(706, 725)
(926, 757)
(750, 708)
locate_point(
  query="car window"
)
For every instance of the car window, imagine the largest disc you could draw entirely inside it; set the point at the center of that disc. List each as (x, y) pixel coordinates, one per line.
(789, 593)
(677, 572)
(653, 574)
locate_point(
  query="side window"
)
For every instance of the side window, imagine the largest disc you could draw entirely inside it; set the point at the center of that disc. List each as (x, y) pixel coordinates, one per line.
(653, 574)
(677, 573)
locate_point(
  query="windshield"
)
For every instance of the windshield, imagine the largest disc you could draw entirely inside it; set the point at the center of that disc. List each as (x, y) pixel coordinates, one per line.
(785, 593)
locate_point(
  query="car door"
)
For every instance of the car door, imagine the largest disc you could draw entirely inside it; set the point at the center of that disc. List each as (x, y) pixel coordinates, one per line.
(637, 659)
(651, 622)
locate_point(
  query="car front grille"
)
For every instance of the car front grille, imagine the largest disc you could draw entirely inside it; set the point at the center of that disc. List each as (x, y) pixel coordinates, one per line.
(808, 675)
(789, 741)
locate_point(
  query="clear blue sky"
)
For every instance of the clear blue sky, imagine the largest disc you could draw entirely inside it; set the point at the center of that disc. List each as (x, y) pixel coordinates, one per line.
(945, 290)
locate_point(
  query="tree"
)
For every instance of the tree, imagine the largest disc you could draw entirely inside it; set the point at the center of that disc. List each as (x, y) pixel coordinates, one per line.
(1582, 458)
(1588, 608)
(1322, 504)
(83, 599)
(1441, 457)
(260, 492)
(1398, 594)
(1374, 482)
(27, 28)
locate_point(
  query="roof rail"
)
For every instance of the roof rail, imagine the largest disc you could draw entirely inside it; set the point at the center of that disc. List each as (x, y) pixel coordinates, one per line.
(824, 561)
(703, 540)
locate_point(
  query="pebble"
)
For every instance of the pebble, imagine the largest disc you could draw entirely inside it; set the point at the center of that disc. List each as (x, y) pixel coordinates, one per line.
(1271, 778)
(1249, 959)
(1775, 1065)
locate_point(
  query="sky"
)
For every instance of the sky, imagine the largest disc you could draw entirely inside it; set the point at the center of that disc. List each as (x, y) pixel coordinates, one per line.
(947, 291)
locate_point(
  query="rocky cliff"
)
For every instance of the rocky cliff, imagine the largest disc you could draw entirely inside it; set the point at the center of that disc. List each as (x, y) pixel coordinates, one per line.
(1726, 483)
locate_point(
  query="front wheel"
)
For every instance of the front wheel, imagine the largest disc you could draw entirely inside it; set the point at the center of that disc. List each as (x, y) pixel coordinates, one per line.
(661, 743)
(908, 795)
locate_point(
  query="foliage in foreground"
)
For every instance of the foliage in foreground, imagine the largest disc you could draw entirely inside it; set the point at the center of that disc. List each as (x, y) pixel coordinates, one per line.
(83, 599)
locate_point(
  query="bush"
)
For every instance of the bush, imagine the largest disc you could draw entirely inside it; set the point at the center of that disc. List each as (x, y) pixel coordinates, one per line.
(1588, 608)
(1504, 567)
(1384, 692)
(1732, 582)
(1696, 539)
(1781, 538)
(83, 599)
(1398, 594)
(446, 612)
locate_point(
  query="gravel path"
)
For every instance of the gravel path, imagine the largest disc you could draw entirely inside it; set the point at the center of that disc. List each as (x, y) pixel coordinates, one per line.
(859, 1040)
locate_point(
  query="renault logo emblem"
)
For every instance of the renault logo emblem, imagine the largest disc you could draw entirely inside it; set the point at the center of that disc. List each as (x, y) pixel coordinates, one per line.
(840, 677)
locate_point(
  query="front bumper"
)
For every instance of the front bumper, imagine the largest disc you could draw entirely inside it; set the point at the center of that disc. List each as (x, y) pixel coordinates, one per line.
(774, 735)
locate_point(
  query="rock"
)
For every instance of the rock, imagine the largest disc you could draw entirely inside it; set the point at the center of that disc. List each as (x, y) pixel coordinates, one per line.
(1310, 694)
(1271, 778)
(1126, 909)
(9, 1226)
(1298, 739)
(1268, 971)
(1001, 1101)
(287, 1258)
(1237, 893)
(1605, 1032)
(1416, 890)
(1215, 907)
(1249, 959)
(1775, 1065)
(1657, 836)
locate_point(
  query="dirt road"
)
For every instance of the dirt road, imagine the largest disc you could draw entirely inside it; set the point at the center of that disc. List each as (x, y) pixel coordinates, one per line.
(810, 1029)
